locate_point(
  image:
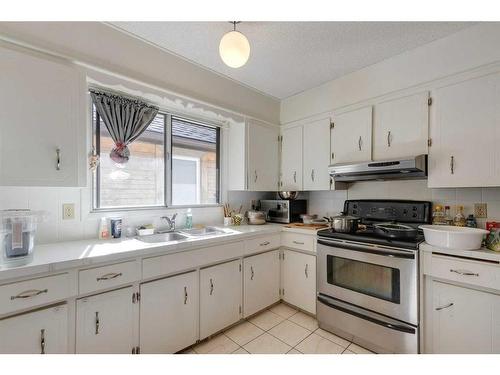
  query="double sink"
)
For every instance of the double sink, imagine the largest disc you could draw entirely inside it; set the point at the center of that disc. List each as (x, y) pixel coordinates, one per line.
(182, 235)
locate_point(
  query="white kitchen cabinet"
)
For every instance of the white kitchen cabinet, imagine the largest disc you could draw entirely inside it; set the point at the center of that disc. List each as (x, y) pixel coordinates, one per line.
(401, 127)
(263, 157)
(220, 297)
(291, 159)
(351, 136)
(465, 134)
(43, 110)
(106, 323)
(461, 319)
(316, 155)
(43, 331)
(261, 281)
(169, 314)
(299, 280)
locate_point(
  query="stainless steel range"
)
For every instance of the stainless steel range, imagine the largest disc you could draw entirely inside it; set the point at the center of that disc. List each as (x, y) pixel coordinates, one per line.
(368, 280)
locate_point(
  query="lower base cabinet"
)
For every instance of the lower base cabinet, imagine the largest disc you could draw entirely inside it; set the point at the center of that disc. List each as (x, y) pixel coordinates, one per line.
(105, 323)
(39, 332)
(261, 281)
(169, 314)
(220, 297)
(299, 280)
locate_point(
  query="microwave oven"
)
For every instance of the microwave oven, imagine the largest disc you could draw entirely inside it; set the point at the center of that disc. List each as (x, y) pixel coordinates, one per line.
(283, 211)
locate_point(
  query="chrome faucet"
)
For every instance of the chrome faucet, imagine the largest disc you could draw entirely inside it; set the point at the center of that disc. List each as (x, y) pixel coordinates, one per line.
(170, 222)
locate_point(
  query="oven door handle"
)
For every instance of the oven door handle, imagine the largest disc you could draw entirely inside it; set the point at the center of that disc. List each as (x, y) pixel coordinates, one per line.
(397, 327)
(370, 250)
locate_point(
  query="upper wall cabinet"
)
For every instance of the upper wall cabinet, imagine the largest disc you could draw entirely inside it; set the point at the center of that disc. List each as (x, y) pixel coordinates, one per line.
(401, 127)
(465, 133)
(316, 155)
(351, 136)
(291, 159)
(263, 157)
(42, 121)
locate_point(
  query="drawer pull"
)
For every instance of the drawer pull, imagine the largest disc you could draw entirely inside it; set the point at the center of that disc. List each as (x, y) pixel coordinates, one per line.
(97, 322)
(465, 273)
(109, 276)
(42, 341)
(444, 307)
(29, 294)
(305, 271)
(211, 287)
(185, 295)
(298, 243)
(264, 243)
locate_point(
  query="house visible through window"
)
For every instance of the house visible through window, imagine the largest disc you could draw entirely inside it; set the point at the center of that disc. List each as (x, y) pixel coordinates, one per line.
(193, 169)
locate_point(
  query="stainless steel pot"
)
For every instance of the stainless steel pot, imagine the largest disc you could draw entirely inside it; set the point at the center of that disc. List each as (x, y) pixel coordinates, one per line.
(343, 223)
(291, 195)
(256, 217)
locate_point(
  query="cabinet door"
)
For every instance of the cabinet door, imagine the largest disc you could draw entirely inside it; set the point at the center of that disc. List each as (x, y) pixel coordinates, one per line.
(461, 320)
(465, 134)
(261, 281)
(43, 331)
(299, 280)
(169, 314)
(105, 323)
(220, 297)
(291, 159)
(317, 155)
(495, 331)
(263, 157)
(43, 110)
(401, 127)
(351, 136)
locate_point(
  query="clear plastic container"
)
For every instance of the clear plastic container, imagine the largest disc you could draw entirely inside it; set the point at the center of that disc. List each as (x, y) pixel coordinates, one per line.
(17, 236)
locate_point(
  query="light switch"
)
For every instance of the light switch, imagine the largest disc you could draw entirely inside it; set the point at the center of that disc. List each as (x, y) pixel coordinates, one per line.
(68, 211)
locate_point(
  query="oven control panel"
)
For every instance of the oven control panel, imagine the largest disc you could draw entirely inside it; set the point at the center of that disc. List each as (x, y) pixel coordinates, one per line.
(390, 210)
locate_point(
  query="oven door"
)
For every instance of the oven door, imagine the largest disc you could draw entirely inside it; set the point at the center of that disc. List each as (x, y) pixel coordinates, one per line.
(376, 278)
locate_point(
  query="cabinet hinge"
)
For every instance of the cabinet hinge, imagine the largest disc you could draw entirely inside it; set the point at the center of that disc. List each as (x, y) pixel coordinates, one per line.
(283, 291)
(133, 350)
(333, 155)
(137, 350)
(429, 142)
(429, 101)
(136, 297)
(240, 267)
(240, 309)
(332, 125)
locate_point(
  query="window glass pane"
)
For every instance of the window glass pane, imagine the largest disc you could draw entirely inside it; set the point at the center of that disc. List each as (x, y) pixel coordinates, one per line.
(140, 182)
(195, 152)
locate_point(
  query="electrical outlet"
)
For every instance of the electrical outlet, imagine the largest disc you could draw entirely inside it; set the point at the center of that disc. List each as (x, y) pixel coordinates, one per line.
(68, 211)
(480, 210)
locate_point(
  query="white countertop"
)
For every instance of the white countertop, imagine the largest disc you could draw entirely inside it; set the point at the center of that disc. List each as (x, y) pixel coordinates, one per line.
(482, 253)
(65, 255)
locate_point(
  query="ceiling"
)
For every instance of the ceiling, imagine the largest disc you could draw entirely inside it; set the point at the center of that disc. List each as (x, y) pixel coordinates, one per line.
(289, 57)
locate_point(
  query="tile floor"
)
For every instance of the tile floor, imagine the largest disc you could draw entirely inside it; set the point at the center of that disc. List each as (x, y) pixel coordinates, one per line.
(280, 329)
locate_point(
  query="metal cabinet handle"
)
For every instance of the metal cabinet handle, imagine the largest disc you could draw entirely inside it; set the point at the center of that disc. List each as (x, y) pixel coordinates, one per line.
(452, 164)
(389, 138)
(211, 286)
(29, 294)
(251, 273)
(255, 178)
(42, 341)
(298, 243)
(109, 276)
(444, 307)
(58, 159)
(295, 176)
(97, 322)
(465, 273)
(306, 271)
(265, 243)
(312, 175)
(359, 143)
(185, 295)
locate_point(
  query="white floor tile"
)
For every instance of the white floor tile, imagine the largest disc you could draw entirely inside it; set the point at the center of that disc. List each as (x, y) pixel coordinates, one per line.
(283, 310)
(294, 351)
(243, 333)
(315, 344)
(267, 344)
(240, 351)
(220, 344)
(289, 332)
(304, 320)
(358, 349)
(330, 336)
(266, 320)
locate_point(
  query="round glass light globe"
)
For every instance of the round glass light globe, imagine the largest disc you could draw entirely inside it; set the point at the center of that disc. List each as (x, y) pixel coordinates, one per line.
(234, 49)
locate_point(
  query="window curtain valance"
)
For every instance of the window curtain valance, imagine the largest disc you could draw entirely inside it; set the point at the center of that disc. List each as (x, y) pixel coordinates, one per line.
(125, 118)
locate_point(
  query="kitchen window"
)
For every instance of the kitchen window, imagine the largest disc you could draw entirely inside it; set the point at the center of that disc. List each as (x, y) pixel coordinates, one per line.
(153, 179)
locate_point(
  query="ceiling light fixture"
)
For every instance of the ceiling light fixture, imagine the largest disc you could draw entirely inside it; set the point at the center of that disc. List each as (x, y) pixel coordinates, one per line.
(234, 48)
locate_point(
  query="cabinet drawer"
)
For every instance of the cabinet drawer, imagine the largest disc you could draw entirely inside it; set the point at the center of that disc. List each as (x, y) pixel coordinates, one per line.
(260, 244)
(298, 241)
(469, 272)
(35, 292)
(107, 276)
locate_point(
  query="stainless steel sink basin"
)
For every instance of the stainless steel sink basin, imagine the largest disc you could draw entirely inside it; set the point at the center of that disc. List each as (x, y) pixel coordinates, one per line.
(163, 237)
(202, 232)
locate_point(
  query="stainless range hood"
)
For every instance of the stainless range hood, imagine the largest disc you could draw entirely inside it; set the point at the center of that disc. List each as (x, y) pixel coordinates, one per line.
(405, 169)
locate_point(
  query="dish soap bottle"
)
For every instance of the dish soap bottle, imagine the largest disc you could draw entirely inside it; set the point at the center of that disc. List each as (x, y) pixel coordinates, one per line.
(189, 219)
(459, 220)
